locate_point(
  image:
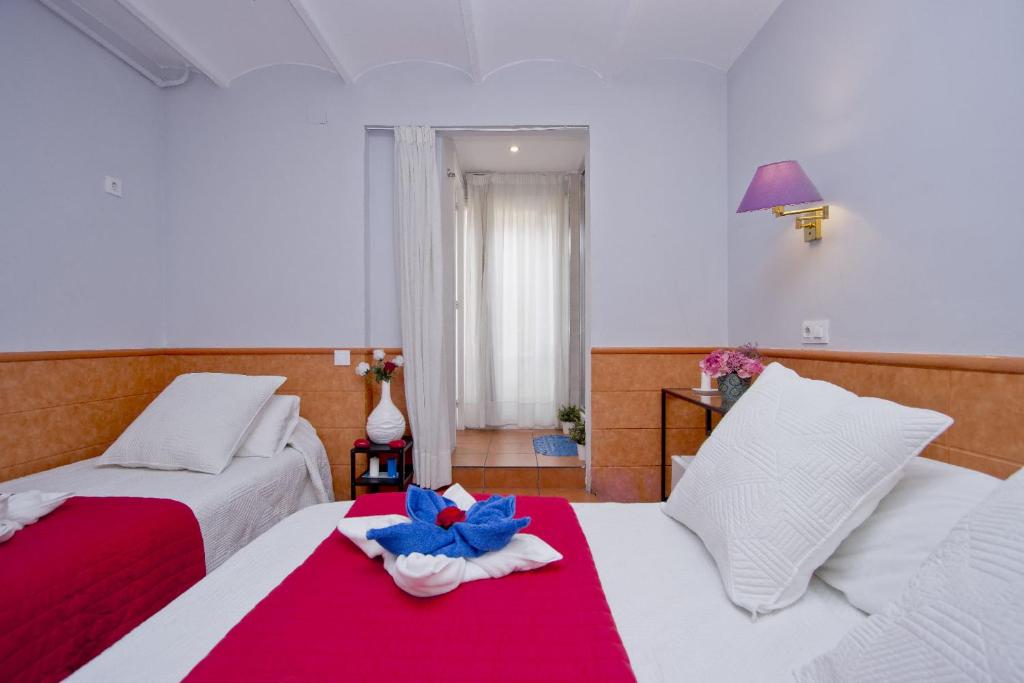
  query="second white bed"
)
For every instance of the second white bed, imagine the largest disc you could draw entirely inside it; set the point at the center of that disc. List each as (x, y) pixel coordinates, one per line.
(249, 497)
(662, 586)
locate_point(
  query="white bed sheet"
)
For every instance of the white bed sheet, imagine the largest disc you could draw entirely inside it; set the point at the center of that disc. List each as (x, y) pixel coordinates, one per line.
(664, 591)
(249, 497)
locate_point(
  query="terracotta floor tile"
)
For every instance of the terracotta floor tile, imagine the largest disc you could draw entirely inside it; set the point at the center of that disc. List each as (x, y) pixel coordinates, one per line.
(559, 461)
(562, 477)
(469, 477)
(513, 491)
(513, 477)
(511, 460)
(465, 456)
(511, 445)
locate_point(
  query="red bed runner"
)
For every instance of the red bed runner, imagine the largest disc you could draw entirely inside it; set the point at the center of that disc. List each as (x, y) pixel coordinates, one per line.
(339, 616)
(83, 576)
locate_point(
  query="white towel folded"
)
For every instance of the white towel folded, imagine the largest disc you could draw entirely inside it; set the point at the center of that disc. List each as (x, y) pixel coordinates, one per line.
(18, 510)
(426, 576)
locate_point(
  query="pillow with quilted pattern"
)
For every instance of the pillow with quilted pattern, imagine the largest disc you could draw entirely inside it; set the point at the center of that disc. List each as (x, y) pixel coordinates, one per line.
(959, 618)
(196, 423)
(790, 471)
(272, 428)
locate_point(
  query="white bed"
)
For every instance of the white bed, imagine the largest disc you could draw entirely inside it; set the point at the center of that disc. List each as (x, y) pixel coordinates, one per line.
(249, 497)
(663, 588)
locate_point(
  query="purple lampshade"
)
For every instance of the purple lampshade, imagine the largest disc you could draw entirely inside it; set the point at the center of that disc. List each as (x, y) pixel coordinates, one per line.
(779, 184)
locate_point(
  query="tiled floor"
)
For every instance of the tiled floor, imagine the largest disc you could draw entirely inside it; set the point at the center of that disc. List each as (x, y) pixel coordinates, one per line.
(503, 461)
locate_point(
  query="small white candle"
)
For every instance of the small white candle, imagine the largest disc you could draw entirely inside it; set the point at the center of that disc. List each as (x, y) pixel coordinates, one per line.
(705, 381)
(374, 467)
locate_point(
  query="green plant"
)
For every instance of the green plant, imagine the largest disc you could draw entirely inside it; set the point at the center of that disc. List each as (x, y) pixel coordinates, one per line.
(578, 433)
(569, 413)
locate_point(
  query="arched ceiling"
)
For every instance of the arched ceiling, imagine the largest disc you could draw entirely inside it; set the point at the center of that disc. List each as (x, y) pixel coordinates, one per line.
(226, 39)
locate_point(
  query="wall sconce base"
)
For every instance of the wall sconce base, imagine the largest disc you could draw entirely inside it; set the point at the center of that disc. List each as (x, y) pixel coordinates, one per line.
(807, 220)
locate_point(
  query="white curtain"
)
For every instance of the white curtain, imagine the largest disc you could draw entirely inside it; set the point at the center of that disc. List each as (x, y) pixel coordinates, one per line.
(515, 300)
(425, 338)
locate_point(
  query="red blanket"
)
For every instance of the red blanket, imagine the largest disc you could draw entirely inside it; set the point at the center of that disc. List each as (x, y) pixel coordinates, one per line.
(83, 576)
(339, 616)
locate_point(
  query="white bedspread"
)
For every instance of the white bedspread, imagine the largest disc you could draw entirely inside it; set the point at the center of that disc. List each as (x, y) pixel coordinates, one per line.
(664, 592)
(233, 507)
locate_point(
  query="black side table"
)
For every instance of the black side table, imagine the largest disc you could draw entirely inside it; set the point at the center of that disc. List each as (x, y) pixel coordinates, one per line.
(382, 451)
(711, 403)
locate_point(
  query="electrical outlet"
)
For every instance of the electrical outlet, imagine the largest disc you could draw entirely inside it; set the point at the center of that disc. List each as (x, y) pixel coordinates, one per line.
(112, 185)
(815, 332)
(342, 357)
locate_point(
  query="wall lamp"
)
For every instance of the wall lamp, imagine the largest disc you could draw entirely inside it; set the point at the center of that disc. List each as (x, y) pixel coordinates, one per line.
(784, 183)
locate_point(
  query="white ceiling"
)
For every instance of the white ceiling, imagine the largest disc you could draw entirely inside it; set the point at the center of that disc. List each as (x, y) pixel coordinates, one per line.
(560, 150)
(228, 38)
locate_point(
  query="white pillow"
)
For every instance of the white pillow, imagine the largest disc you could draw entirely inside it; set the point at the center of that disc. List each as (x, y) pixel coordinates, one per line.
(960, 616)
(272, 427)
(789, 472)
(875, 562)
(196, 423)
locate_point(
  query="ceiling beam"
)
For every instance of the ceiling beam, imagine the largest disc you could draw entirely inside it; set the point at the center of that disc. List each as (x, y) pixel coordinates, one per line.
(469, 33)
(188, 52)
(305, 12)
(626, 14)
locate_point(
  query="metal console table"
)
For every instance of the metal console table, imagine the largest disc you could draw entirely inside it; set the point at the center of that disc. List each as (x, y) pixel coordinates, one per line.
(711, 403)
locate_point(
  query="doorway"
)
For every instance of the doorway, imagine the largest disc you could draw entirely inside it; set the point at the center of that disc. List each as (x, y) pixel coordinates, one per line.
(516, 200)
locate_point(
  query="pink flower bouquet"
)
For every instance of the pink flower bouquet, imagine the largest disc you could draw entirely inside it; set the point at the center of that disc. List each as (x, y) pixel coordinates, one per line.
(744, 361)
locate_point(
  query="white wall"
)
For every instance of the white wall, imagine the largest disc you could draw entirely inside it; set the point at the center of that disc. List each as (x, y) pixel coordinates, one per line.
(908, 117)
(78, 268)
(265, 224)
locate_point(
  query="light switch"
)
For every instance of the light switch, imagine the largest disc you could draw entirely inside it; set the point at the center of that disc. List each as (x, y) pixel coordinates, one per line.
(815, 332)
(342, 357)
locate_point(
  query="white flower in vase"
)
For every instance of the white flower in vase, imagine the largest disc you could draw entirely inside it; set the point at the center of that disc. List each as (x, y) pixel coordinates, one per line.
(362, 369)
(399, 361)
(378, 354)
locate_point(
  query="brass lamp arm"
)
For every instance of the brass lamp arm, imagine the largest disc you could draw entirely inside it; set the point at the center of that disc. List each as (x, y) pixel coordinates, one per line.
(781, 211)
(808, 220)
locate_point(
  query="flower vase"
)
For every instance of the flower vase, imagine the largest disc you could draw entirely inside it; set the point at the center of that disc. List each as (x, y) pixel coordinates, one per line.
(566, 426)
(732, 386)
(386, 423)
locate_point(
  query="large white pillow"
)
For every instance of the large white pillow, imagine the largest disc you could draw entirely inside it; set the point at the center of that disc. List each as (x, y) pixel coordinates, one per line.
(875, 562)
(196, 423)
(272, 428)
(790, 471)
(960, 618)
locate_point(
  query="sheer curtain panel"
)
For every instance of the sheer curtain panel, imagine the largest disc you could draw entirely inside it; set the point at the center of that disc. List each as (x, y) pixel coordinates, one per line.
(515, 300)
(421, 263)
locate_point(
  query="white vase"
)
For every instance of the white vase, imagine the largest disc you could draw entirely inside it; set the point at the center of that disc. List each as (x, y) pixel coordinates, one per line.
(386, 423)
(566, 426)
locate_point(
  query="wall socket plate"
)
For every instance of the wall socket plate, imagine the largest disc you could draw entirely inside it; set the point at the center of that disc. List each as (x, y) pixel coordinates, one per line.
(112, 185)
(815, 331)
(342, 357)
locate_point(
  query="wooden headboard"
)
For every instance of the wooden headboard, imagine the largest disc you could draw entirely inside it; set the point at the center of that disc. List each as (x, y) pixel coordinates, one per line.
(983, 394)
(61, 407)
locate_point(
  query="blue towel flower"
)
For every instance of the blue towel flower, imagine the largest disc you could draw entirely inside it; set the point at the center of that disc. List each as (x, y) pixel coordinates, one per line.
(488, 525)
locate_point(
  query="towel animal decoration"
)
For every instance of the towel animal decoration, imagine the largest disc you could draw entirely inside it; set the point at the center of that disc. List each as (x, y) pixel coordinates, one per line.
(483, 532)
(18, 510)
(439, 527)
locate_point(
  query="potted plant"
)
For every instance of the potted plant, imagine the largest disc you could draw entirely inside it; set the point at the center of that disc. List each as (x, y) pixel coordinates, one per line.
(734, 369)
(568, 415)
(578, 433)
